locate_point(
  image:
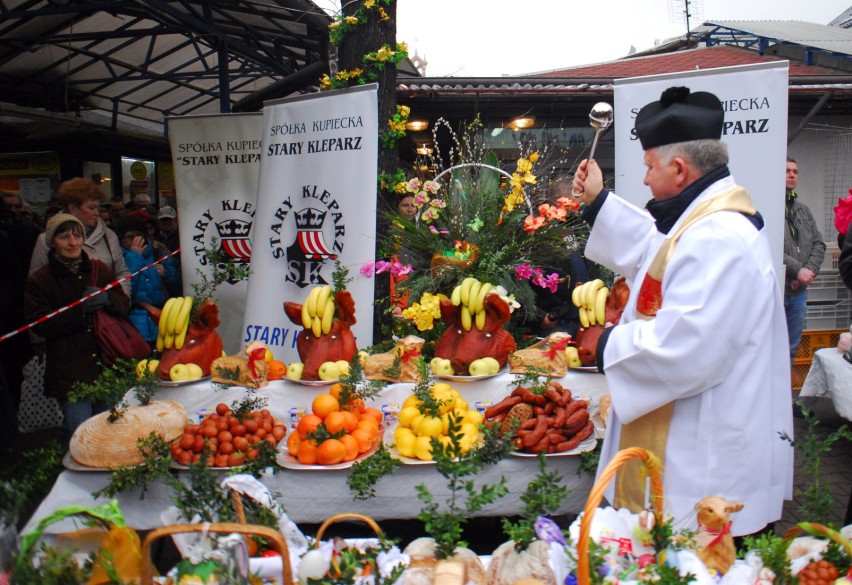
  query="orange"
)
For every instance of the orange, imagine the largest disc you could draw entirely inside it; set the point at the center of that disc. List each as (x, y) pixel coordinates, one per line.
(330, 452)
(307, 424)
(365, 439)
(351, 420)
(293, 442)
(373, 413)
(351, 447)
(368, 424)
(307, 453)
(335, 421)
(324, 404)
(335, 390)
(277, 370)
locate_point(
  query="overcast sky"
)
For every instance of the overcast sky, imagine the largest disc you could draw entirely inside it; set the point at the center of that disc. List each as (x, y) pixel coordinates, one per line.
(500, 37)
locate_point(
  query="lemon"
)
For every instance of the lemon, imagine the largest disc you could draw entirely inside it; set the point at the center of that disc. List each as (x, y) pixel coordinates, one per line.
(445, 423)
(152, 365)
(470, 429)
(404, 440)
(423, 448)
(140, 368)
(415, 422)
(406, 415)
(474, 417)
(268, 355)
(467, 441)
(445, 442)
(462, 403)
(412, 400)
(430, 426)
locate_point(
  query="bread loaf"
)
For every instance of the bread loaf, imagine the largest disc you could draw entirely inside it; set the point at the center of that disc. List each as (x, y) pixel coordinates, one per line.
(234, 370)
(422, 567)
(99, 442)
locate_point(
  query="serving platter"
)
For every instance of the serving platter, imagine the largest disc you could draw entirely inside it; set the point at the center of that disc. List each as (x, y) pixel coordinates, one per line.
(177, 383)
(593, 369)
(69, 463)
(587, 444)
(460, 378)
(313, 382)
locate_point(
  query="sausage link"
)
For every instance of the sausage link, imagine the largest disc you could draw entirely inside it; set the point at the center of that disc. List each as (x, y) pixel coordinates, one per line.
(528, 424)
(553, 395)
(576, 421)
(549, 407)
(538, 432)
(502, 406)
(559, 417)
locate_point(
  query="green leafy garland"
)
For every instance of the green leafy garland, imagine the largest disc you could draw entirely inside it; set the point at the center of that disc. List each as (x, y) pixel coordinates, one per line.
(543, 496)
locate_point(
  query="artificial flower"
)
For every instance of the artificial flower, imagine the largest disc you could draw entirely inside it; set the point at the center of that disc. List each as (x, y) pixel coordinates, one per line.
(413, 185)
(439, 203)
(551, 282)
(524, 271)
(532, 223)
(431, 187)
(382, 266)
(429, 215)
(367, 268)
(421, 198)
(398, 269)
(351, 20)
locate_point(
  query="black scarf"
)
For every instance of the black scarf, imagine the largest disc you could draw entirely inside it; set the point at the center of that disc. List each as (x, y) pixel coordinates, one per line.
(668, 211)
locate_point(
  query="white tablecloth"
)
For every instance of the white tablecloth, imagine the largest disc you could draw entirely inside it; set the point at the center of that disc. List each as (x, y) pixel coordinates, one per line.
(312, 496)
(830, 375)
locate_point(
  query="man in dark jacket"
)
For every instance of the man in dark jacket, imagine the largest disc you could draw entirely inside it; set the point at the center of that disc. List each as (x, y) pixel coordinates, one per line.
(804, 250)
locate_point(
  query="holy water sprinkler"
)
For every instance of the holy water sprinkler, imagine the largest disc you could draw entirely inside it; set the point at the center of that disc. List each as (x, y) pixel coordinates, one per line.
(600, 119)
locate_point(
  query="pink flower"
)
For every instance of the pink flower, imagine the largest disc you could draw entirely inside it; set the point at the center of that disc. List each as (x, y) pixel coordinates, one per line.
(413, 185)
(421, 198)
(429, 214)
(399, 269)
(552, 282)
(367, 268)
(439, 203)
(431, 187)
(524, 271)
(382, 266)
(538, 278)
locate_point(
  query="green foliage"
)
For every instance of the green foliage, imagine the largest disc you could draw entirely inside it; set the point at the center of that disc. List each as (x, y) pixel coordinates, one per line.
(111, 386)
(29, 479)
(589, 460)
(56, 567)
(222, 269)
(773, 554)
(365, 474)
(202, 494)
(340, 277)
(429, 405)
(445, 523)
(248, 404)
(351, 561)
(156, 465)
(816, 495)
(543, 496)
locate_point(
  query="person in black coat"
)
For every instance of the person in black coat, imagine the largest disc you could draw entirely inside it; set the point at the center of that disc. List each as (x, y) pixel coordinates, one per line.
(71, 345)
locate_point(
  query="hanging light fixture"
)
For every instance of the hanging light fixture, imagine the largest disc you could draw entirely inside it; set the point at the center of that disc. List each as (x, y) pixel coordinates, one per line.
(423, 150)
(416, 125)
(522, 123)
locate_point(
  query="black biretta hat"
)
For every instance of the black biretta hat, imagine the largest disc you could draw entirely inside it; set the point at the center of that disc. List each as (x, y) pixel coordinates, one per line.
(680, 116)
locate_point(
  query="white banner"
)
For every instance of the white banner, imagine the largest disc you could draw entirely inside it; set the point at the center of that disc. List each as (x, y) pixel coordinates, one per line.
(316, 205)
(216, 161)
(755, 130)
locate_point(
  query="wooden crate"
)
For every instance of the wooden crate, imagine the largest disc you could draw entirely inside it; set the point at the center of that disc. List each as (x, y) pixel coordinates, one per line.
(814, 340)
(799, 372)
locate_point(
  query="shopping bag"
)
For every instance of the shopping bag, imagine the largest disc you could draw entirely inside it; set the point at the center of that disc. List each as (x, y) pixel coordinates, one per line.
(37, 411)
(117, 338)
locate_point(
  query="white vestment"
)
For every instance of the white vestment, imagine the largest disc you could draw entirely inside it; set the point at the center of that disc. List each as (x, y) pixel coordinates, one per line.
(717, 347)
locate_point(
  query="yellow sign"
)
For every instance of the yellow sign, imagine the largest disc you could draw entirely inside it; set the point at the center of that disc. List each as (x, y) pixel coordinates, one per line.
(138, 170)
(43, 164)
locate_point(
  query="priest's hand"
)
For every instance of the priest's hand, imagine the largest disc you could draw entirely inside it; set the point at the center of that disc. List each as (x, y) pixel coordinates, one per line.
(588, 181)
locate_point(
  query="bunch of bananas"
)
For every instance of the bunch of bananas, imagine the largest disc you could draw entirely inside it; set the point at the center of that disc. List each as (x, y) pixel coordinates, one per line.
(591, 298)
(318, 310)
(174, 323)
(470, 294)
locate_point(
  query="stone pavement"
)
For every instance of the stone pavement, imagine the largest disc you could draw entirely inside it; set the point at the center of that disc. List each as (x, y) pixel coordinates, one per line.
(835, 472)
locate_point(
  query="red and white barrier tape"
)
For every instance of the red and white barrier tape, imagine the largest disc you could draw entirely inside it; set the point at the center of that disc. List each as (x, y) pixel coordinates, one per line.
(105, 288)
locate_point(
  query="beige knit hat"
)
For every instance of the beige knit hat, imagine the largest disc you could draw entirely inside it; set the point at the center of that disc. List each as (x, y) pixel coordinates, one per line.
(57, 220)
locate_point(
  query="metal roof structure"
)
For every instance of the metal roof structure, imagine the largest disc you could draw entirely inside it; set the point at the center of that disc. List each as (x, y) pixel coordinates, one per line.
(132, 63)
(760, 34)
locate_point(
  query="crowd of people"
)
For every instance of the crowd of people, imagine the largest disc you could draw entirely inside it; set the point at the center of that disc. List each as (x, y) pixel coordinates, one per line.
(50, 264)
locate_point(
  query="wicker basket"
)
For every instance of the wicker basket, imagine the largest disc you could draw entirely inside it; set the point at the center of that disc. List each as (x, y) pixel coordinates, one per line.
(439, 263)
(348, 516)
(275, 539)
(652, 465)
(819, 530)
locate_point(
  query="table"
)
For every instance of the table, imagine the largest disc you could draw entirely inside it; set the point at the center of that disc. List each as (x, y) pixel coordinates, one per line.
(313, 496)
(830, 375)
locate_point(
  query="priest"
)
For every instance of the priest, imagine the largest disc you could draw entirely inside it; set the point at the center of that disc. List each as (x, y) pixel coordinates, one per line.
(698, 367)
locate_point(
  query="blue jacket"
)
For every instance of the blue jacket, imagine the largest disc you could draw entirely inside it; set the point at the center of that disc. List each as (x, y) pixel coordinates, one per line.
(147, 287)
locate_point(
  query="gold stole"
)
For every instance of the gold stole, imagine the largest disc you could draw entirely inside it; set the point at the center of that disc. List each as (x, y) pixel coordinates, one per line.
(651, 430)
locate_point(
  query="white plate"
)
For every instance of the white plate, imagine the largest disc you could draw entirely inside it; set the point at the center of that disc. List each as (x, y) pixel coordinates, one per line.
(176, 383)
(313, 382)
(69, 463)
(584, 369)
(587, 444)
(391, 448)
(460, 378)
(287, 461)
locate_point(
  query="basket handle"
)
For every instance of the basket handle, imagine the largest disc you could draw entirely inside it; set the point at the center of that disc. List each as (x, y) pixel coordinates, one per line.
(275, 539)
(654, 467)
(820, 530)
(348, 516)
